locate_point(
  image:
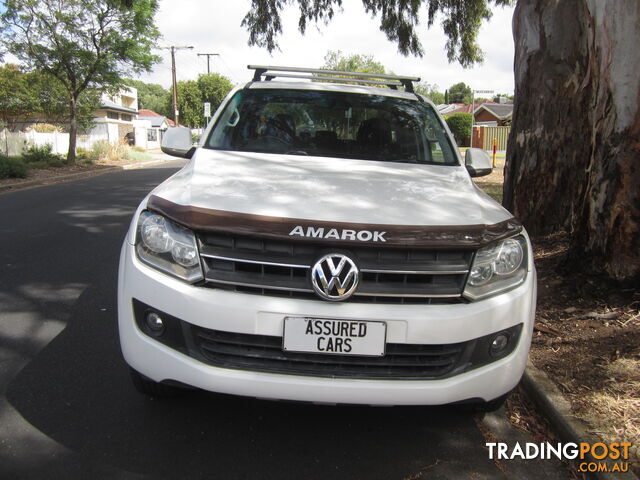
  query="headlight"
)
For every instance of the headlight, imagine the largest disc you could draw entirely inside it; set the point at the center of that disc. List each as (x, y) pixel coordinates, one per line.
(168, 247)
(497, 267)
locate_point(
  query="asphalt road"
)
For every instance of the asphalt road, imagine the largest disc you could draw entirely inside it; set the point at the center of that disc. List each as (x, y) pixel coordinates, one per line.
(68, 410)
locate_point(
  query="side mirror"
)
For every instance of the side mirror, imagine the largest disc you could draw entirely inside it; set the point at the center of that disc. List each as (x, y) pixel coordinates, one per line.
(177, 142)
(478, 162)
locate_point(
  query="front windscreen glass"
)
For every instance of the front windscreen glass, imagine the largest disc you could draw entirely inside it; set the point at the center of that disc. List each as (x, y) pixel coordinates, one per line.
(332, 124)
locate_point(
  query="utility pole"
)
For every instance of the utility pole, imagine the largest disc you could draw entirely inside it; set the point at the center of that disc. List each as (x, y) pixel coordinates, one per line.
(173, 49)
(208, 55)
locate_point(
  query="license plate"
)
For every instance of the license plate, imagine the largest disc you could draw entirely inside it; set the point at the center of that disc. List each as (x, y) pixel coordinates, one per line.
(334, 337)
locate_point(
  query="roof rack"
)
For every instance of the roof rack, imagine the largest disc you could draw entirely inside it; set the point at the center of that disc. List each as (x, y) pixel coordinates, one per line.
(393, 81)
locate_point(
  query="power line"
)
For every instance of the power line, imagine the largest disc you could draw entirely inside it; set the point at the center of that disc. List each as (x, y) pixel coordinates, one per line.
(233, 75)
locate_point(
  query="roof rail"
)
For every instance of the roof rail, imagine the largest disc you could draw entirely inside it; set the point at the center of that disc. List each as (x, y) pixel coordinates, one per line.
(393, 81)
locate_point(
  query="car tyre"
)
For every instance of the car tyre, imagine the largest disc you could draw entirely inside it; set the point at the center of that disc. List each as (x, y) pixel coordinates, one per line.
(148, 387)
(484, 407)
(492, 405)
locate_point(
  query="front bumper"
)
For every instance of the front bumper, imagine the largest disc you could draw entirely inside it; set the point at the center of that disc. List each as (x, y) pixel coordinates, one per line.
(264, 315)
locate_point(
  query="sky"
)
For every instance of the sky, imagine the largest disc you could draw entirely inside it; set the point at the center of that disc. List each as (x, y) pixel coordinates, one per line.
(213, 26)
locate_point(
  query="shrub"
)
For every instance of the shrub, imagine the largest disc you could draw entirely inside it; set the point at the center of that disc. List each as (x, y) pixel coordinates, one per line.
(460, 126)
(105, 151)
(41, 157)
(12, 167)
(84, 156)
(46, 128)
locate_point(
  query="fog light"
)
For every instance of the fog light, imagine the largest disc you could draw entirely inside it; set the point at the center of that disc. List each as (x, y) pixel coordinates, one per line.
(154, 324)
(499, 344)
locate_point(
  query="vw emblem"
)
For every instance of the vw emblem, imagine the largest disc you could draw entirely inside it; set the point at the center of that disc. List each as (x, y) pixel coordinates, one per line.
(335, 277)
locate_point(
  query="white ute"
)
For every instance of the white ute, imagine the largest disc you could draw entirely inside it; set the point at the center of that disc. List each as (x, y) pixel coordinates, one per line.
(325, 243)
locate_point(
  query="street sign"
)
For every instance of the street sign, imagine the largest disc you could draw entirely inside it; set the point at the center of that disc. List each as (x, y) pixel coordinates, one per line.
(207, 109)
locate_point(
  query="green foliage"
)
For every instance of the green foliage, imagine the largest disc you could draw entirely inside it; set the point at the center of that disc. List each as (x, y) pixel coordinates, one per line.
(152, 96)
(190, 103)
(461, 21)
(214, 88)
(11, 167)
(511, 98)
(41, 157)
(336, 60)
(460, 93)
(16, 95)
(26, 96)
(192, 94)
(460, 126)
(430, 91)
(84, 156)
(84, 44)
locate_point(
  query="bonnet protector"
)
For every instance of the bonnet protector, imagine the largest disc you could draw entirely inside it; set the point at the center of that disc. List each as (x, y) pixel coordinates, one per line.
(333, 233)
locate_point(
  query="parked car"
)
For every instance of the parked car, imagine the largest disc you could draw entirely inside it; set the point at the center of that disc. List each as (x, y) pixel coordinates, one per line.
(325, 243)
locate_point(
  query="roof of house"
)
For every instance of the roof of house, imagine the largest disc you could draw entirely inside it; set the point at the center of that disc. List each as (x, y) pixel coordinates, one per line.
(154, 117)
(499, 110)
(156, 120)
(145, 112)
(108, 105)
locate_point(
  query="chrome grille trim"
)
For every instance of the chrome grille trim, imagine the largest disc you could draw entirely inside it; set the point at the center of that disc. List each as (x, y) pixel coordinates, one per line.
(256, 262)
(261, 266)
(408, 295)
(416, 272)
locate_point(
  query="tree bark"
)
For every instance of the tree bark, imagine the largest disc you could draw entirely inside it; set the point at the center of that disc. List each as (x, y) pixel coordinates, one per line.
(73, 130)
(573, 159)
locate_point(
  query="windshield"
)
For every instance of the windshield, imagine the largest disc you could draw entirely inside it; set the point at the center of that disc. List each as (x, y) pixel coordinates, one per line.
(332, 124)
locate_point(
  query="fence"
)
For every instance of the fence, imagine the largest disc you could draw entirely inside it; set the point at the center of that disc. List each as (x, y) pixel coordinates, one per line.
(483, 137)
(14, 143)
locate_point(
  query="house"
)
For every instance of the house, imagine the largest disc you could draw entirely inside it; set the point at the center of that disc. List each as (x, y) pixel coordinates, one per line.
(154, 125)
(116, 114)
(493, 114)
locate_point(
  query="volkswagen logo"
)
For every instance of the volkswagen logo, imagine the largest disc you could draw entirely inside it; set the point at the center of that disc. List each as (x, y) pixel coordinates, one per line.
(335, 277)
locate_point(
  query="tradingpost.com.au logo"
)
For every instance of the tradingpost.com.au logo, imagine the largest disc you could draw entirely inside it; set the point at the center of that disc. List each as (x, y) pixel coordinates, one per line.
(592, 457)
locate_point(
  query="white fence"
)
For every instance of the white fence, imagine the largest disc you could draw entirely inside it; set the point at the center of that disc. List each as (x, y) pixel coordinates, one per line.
(14, 143)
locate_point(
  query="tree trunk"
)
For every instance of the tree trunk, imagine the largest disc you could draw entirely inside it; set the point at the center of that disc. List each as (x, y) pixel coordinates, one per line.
(73, 130)
(574, 152)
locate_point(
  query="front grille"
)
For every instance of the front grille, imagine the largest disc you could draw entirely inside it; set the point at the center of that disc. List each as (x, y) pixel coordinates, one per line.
(280, 268)
(264, 353)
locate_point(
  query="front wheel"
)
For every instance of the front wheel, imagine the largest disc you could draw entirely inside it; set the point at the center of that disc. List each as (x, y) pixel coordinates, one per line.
(146, 386)
(492, 405)
(484, 407)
